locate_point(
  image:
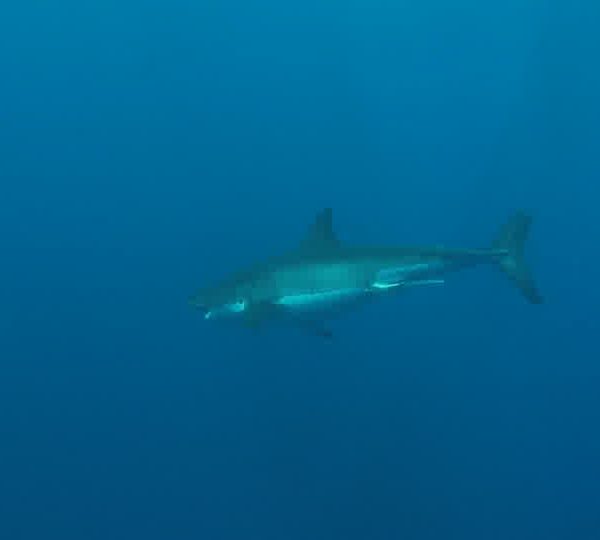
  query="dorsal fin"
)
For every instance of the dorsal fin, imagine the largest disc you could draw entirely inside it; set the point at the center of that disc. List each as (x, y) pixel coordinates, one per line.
(320, 237)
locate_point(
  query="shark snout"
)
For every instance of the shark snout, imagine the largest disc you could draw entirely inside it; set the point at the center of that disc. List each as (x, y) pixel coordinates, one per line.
(206, 311)
(221, 309)
(199, 303)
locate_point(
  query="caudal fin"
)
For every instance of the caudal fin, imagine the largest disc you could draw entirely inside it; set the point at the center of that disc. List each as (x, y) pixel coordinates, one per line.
(511, 239)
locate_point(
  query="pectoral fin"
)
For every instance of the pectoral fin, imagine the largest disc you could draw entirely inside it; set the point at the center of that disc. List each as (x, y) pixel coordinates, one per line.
(383, 286)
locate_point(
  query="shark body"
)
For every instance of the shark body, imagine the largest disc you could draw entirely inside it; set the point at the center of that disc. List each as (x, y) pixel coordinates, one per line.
(323, 275)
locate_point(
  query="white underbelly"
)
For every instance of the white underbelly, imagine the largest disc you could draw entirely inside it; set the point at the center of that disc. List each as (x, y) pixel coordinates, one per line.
(322, 301)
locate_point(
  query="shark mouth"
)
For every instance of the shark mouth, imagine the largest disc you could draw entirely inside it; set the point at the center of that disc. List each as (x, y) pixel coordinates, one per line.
(227, 310)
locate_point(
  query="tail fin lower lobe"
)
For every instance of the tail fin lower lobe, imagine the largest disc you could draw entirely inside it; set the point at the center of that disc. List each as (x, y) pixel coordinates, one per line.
(511, 239)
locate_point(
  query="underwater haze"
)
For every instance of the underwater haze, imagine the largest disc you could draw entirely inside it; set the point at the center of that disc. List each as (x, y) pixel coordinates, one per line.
(150, 148)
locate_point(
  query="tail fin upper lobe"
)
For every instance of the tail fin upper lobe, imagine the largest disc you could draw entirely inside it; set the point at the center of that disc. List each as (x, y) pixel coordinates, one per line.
(511, 239)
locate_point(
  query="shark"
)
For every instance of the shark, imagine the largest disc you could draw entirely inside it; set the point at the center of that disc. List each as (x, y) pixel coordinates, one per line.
(322, 275)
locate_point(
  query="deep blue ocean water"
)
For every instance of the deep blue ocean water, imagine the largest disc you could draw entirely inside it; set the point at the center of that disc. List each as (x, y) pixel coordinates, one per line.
(148, 148)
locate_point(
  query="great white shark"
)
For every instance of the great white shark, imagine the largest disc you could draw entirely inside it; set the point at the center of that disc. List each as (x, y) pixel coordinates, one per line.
(323, 275)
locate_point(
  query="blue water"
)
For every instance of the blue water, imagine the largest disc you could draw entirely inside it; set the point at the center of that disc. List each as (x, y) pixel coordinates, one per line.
(148, 148)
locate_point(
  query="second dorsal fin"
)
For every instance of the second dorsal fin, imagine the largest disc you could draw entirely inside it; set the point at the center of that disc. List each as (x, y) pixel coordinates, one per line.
(320, 238)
